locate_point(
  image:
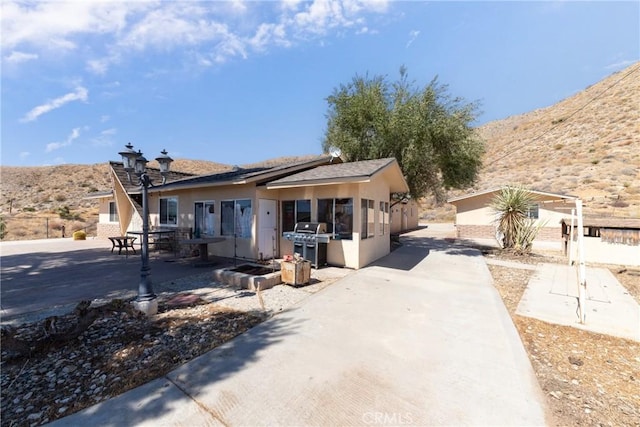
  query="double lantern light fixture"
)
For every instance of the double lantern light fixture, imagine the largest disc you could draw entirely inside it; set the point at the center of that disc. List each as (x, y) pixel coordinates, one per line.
(135, 162)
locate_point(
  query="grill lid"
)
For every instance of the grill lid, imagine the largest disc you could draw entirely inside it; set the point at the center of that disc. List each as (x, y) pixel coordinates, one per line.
(310, 227)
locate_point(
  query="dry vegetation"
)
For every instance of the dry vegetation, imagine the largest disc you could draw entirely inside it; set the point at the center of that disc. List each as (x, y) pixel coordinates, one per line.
(588, 378)
(587, 145)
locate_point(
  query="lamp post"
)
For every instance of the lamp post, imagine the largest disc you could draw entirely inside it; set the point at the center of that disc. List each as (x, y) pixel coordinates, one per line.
(135, 162)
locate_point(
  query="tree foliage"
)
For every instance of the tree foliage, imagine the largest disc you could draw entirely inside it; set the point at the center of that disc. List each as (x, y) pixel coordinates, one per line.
(425, 129)
(3, 228)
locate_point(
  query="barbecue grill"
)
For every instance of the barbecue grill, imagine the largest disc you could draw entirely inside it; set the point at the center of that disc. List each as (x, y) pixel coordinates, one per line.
(310, 240)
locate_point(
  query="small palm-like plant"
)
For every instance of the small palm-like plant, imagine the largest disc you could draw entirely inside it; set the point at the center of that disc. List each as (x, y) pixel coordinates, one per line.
(511, 205)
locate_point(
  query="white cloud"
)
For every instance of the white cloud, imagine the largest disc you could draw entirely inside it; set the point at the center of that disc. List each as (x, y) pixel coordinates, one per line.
(55, 23)
(17, 57)
(413, 35)
(204, 33)
(104, 118)
(75, 133)
(80, 94)
(619, 65)
(24, 154)
(105, 138)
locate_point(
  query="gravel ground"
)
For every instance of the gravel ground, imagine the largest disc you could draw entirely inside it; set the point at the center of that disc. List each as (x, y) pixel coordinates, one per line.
(589, 379)
(120, 351)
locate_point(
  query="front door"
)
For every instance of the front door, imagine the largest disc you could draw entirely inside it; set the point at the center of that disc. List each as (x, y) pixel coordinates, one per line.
(267, 220)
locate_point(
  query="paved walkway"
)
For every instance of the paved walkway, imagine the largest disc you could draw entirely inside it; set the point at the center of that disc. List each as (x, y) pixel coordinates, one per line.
(419, 338)
(41, 278)
(552, 296)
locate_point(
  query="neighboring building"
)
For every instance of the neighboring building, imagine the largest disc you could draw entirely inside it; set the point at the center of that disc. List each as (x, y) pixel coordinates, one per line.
(405, 215)
(476, 220)
(252, 208)
(606, 240)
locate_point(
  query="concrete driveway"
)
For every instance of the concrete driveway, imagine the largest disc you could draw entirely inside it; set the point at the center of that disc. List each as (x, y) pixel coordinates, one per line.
(419, 338)
(40, 277)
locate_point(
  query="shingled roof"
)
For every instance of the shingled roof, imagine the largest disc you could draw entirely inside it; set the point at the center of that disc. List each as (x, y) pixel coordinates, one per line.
(338, 173)
(240, 175)
(154, 173)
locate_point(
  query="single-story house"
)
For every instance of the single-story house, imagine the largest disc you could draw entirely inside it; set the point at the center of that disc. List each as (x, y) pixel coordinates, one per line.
(476, 220)
(606, 240)
(251, 209)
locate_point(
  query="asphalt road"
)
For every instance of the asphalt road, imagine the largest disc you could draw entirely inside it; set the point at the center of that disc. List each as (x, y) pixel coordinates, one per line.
(42, 276)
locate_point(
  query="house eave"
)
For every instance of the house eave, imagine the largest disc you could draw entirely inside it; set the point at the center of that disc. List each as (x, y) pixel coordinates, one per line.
(314, 182)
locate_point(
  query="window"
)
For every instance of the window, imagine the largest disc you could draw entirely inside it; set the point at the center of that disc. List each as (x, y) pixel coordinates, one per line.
(294, 211)
(338, 214)
(532, 212)
(236, 218)
(367, 217)
(113, 212)
(169, 210)
(204, 214)
(383, 217)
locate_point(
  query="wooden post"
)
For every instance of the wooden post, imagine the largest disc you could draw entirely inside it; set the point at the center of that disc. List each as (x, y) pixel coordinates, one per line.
(573, 215)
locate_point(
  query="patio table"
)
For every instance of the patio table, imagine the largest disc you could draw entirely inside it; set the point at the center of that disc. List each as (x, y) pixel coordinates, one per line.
(123, 242)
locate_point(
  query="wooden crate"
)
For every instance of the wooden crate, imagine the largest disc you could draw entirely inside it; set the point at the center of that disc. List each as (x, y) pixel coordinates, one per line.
(295, 273)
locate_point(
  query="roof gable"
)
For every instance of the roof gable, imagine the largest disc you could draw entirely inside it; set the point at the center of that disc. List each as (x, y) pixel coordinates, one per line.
(541, 195)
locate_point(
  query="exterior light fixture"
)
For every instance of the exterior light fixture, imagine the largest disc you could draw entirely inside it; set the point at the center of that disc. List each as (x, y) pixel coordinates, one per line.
(133, 161)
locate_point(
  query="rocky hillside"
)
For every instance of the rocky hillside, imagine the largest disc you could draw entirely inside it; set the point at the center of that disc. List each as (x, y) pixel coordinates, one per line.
(587, 145)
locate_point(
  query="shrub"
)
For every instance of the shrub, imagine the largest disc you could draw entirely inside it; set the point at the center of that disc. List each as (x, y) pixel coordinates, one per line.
(79, 235)
(3, 228)
(60, 198)
(65, 213)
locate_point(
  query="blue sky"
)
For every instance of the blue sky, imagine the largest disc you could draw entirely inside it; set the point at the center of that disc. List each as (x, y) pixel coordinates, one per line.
(239, 82)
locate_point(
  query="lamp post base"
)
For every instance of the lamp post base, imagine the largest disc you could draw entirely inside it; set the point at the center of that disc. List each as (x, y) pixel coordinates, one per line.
(148, 307)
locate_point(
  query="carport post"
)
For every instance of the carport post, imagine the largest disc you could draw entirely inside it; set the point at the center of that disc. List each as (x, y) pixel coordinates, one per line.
(582, 280)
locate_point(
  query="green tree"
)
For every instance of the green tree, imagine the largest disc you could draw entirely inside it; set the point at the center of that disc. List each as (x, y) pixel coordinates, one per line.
(425, 129)
(511, 206)
(3, 228)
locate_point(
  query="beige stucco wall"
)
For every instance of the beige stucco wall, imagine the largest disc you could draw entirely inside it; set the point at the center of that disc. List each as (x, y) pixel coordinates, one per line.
(405, 216)
(597, 251)
(475, 219)
(355, 253)
(244, 247)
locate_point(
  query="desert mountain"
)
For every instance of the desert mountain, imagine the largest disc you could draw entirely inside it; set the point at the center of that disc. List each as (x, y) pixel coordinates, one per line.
(587, 145)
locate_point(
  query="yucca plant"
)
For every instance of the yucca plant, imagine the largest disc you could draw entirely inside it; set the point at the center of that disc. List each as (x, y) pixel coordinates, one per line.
(511, 205)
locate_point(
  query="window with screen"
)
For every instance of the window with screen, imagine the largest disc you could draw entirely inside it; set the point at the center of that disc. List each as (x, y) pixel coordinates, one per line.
(294, 211)
(113, 212)
(169, 210)
(338, 214)
(236, 218)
